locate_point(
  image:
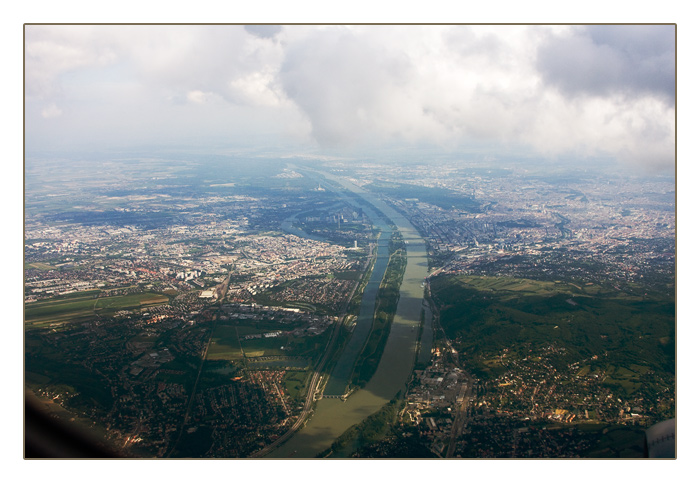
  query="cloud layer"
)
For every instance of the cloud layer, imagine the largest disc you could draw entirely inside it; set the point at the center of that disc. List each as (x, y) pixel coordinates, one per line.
(635, 60)
(555, 90)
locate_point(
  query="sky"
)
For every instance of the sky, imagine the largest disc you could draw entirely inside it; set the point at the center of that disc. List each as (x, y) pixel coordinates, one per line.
(555, 91)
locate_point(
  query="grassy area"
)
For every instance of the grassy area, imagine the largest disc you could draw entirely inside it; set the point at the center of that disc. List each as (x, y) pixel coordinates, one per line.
(229, 337)
(224, 344)
(264, 347)
(39, 266)
(81, 306)
(195, 444)
(130, 301)
(295, 383)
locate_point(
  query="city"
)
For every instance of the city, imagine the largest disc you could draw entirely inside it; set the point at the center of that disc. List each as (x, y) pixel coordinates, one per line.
(176, 327)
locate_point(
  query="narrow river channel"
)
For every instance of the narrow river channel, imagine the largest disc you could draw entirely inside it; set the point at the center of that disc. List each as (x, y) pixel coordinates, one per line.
(333, 416)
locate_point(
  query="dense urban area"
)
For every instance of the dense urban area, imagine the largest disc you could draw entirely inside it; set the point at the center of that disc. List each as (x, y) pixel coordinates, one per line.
(194, 307)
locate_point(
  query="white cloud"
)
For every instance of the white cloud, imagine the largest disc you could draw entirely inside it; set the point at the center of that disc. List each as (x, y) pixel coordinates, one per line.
(197, 96)
(256, 89)
(50, 111)
(350, 85)
(52, 51)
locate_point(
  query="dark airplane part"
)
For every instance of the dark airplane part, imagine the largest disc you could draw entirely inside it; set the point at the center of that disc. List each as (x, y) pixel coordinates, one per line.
(48, 437)
(660, 440)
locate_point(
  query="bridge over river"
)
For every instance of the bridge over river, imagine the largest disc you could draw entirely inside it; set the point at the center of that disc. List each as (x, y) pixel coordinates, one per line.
(333, 416)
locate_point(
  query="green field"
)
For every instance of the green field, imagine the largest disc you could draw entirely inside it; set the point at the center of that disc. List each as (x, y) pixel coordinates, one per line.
(224, 344)
(295, 383)
(229, 338)
(39, 266)
(82, 306)
(264, 347)
(130, 301)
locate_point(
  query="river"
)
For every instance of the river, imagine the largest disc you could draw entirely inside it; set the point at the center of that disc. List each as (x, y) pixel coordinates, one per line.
(338, 381)
(333, 416)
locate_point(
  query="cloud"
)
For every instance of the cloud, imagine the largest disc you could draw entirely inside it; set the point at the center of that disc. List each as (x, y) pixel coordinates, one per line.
(197, 96)
(52, 51)
(633, 60)
(256, 89)
(464, 85)
(264, 31)
(219, 59)
(553, 90)
(349, 87)
(50, 111)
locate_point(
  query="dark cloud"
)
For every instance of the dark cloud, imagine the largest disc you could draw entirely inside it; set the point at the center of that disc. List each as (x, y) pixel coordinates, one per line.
(608, 59)
(263, 31)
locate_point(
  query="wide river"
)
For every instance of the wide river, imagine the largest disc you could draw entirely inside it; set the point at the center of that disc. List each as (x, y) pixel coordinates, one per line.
(332, 416)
